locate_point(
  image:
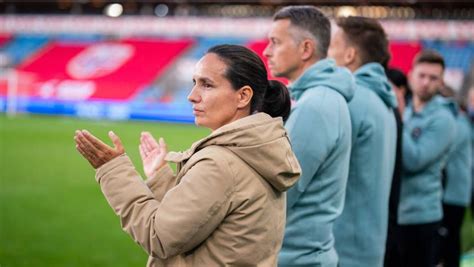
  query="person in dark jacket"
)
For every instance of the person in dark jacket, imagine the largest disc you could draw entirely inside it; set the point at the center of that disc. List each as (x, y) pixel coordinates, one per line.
(392, 245)
(457, 184)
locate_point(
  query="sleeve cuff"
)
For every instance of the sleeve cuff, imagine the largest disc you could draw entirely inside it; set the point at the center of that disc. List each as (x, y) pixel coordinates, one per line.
(111, 165)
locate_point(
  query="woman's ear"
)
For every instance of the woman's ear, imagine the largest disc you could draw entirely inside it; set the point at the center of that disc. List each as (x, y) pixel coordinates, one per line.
(245, 95)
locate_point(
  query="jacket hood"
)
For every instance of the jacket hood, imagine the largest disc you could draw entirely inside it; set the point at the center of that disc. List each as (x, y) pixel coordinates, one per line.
(372, 76)
(259, 140)
(325, 73)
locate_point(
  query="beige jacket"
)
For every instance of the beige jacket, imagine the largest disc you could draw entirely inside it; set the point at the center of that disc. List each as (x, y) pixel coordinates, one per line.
(225, 207)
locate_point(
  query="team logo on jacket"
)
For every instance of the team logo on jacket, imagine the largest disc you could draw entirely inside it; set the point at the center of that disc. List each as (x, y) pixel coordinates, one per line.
(416, 132)
(99, 60)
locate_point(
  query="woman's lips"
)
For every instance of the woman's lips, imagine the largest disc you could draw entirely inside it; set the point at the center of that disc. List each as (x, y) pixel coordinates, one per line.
(197, 111)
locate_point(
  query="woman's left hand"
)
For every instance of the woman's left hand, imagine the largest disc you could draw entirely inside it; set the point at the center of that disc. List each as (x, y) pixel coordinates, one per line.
(94, 150)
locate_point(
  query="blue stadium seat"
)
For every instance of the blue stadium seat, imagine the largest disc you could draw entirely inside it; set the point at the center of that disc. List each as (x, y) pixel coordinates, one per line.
(457, 55)
(79, 38)
(23, 45)
(204, 43)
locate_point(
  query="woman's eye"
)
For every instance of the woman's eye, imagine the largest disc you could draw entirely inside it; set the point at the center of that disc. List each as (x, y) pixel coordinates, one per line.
(207, 85)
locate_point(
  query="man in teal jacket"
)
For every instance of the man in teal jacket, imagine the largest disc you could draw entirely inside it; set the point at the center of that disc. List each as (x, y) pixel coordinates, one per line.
(470, 115)
(361, 45)
(429, 131)
(457, 186)
(319, 127)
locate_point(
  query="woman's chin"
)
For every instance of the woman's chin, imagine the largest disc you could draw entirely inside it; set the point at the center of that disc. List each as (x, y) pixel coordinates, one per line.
(201, 123)
(198, 122)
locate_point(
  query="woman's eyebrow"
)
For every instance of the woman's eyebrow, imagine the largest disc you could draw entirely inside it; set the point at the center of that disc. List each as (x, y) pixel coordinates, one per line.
(205, 79)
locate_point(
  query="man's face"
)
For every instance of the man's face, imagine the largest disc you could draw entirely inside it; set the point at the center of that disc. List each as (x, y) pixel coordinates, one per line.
(282, 51)
(425, 80)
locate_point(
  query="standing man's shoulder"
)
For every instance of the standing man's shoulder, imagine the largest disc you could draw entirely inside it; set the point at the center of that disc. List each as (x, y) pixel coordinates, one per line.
(446, 115)
(320, 100)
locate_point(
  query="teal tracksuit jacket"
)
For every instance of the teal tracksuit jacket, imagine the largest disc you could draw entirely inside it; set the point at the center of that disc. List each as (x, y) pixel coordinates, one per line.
(458, 184)
(361, 230)
(319, 128)
(427, 137)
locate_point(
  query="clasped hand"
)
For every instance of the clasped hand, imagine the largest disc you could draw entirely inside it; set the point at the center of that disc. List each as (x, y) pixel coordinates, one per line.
(98, 153)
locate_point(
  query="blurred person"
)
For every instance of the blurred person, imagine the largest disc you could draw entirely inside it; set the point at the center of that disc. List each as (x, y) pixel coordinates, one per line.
(457, 186)
(470, 114)
(226, 204)
(392, 245)
(470, 103)
(447, 92)
(401, 88)
(429, 131)
(319, 127)
(361, 45)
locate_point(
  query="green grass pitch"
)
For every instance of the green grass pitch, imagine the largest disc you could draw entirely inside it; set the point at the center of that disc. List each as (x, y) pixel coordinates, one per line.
(52, 212)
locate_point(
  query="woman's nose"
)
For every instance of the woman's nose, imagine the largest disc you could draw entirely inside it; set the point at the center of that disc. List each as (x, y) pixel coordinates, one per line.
(193, 96)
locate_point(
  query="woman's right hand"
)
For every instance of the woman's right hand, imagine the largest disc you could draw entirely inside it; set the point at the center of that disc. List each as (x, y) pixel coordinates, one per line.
(152, 153)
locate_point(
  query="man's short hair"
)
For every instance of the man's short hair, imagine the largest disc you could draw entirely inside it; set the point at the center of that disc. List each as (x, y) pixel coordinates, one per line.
(368, 36)
(312, 20)
(429, 56)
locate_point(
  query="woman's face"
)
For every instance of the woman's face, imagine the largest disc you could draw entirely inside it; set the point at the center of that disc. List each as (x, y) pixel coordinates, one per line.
(215, 102)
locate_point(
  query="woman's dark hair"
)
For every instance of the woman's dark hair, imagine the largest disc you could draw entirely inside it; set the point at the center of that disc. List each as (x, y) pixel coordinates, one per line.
(244, 67)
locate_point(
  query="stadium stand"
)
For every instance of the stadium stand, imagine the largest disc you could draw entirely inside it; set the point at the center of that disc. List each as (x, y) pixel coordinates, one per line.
(96, 75)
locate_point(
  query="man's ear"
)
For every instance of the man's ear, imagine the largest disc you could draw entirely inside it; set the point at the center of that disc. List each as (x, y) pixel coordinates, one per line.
(244, 96)
(350, 56)
(308, 48)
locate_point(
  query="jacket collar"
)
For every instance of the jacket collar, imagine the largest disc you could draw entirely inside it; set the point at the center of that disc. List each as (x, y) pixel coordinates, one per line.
(238, 125)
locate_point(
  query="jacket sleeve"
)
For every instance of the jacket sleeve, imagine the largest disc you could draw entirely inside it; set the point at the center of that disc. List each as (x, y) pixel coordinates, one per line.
(420, 151)
(163, 181)
(459, 163)
(185, 217)
(311, 137)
